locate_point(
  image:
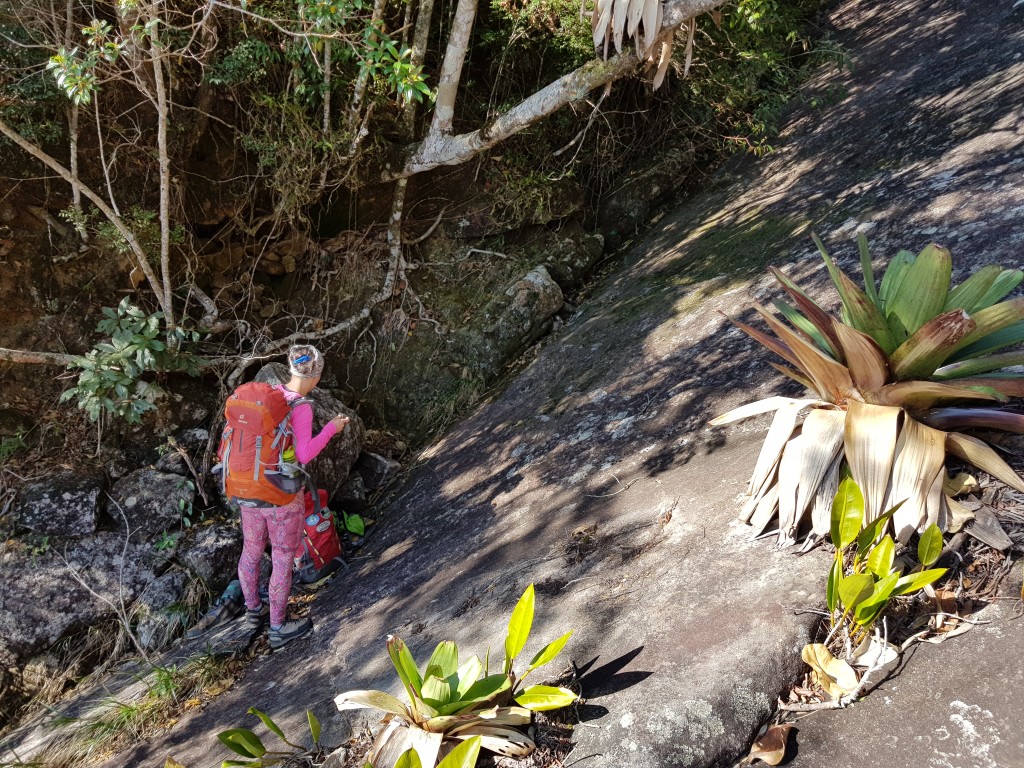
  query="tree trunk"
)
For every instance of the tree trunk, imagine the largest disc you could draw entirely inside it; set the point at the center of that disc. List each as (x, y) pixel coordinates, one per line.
(451, 69)
(163, 115)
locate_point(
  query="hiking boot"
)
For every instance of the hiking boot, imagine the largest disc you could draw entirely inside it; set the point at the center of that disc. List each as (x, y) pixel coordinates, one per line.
(224, 610)
(290, 630)
(254, 618)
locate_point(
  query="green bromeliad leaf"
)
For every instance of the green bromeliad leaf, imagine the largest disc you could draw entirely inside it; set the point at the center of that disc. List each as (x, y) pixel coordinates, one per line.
(1004, 337)
(867, 270)
(968, 295)
(1008, 280)
(990, 321)
(921, 293)
(468, 674)
(405, 665)
(893, 279)
(446, 657)
(979, 365)
(858, 310)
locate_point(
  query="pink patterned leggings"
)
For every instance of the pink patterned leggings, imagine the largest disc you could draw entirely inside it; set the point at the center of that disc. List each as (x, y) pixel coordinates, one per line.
(283, 527)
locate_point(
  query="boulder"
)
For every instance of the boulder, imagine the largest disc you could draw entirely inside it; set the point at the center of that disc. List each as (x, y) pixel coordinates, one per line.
(52, 598)
(570, 257)
(64, 505)
(376, 470)
(157, 622)
(193, 443)
(352, 496)
(512, 322)
(212, 554)
(330, 469)
(629, 207)
(151, 501)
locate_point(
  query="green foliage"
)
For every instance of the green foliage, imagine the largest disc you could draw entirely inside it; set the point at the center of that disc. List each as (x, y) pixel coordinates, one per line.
(185, 507)
(166, 541)
(29, 99)
(860, 588)
(394, 68)
(244, 742)
(463, 756)
(248, 61)
(12, 445)
(448, 694)
(111, 380)
(75, 69)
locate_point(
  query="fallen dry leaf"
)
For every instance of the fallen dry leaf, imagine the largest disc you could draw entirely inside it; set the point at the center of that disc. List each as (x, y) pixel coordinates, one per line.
(962, 483)
(873, 653)
(834, 675)
(771, 747)
(172, 763)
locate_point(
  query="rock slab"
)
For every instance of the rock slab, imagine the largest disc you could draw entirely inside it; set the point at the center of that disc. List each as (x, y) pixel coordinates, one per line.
(65, 505)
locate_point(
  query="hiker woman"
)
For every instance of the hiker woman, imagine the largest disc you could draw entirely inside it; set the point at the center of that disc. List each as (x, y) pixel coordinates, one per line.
(283, 525)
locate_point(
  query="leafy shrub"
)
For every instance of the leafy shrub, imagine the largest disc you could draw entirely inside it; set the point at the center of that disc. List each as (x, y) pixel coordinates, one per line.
(858, 594)
(453, 702)
(111, 379)
(910, 359)
(244, 742)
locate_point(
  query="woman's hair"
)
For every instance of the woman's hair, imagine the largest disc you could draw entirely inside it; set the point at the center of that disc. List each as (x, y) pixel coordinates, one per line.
(305, 361)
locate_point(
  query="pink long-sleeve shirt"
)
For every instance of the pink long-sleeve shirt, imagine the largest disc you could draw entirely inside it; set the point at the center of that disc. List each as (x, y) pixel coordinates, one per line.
(306, 446)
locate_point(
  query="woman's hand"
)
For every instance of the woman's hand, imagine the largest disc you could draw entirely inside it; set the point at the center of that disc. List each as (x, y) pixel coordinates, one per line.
(340, 422)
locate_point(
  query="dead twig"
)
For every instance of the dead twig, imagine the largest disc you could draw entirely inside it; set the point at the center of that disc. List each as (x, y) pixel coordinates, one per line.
(846, 699)
(623, 489)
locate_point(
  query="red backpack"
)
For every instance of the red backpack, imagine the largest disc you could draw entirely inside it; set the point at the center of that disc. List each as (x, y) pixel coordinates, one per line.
(256, 433)
(319, 552)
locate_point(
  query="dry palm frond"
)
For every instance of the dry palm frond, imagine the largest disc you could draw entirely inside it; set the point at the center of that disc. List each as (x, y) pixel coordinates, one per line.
(893, 378)
(615, 22)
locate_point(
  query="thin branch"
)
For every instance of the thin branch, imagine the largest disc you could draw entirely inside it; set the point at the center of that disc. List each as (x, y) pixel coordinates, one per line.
(430, 230)
(35, 358)
(55, 165)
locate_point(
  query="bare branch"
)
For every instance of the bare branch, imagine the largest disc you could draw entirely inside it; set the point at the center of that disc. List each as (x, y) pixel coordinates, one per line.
(437, 150)
(35, 358)
(55, 165)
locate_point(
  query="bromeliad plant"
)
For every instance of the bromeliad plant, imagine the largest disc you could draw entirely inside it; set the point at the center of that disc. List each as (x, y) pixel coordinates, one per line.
(451, 702)
(894, 381)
